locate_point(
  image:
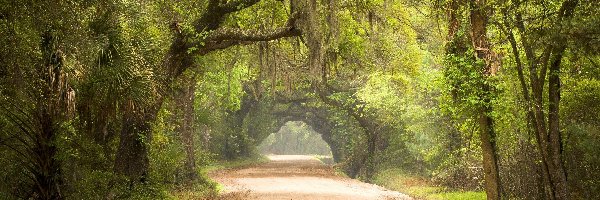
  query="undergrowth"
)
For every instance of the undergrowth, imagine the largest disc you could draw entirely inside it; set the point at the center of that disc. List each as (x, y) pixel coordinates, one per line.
(421, 188)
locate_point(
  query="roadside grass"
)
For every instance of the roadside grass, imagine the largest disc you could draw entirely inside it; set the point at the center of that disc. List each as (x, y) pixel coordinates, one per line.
(207, 189)
(328, 160)
(325, 159)
(421, 188)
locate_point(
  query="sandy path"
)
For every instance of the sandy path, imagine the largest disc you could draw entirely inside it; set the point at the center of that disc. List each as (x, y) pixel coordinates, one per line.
(298, 177)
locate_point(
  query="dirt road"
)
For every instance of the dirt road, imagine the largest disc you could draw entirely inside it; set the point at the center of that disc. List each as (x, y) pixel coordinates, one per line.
(297, 177)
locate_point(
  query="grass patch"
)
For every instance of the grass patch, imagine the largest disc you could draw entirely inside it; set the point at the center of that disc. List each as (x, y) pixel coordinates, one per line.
(196, 191)
(207, 189)
(467, 195)
(325, 159)
(421, 188)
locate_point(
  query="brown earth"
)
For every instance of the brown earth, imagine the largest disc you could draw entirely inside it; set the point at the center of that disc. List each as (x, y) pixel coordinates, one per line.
(296, 177)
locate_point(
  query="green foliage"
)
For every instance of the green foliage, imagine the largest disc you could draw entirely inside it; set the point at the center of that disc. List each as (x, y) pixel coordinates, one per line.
(402, 106)
(223, 89)
(418, 187)
(166, 151)
(581, 102)
(465, 77)
(581, 116)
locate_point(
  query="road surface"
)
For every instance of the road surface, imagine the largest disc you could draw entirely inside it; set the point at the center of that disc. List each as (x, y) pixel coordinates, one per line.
(296, 177)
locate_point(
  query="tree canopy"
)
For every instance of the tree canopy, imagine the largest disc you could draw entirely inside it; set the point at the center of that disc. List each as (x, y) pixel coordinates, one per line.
(136, 99)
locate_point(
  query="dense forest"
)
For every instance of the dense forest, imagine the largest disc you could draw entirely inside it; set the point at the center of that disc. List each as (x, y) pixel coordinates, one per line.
(135, 99)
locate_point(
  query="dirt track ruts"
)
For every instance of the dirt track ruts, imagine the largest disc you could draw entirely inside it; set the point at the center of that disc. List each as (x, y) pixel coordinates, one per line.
(296, 177)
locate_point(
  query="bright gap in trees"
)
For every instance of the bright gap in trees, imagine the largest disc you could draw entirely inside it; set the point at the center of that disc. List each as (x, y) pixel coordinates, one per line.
(296, 138)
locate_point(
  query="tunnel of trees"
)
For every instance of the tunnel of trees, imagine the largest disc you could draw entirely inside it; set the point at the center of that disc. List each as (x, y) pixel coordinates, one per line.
(133, 99)
(295, 138)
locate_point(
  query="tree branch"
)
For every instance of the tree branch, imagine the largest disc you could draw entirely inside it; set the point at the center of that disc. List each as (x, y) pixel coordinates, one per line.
(247, 37)
(252, 35)
(359, 115)
(227, 37)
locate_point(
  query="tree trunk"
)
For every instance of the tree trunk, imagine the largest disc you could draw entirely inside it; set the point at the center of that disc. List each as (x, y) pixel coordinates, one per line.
(558, 173)
(532, 125)
(371, 151)
(483, 51)
(556, 167)
(49, 113)
(548, 133)
(488, 147)
(132, 155)
(47, 174)
(185, 110)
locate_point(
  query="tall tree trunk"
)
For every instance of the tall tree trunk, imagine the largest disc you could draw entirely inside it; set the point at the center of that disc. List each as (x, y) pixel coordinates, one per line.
(548, 133)
(479, 22)
(557, 170)
(371, 154)
(488, 146)
(532, 125)
(535, 103)
(185, 110)
(47, 175)
(558, 173)
(49, 113)
(188, 135)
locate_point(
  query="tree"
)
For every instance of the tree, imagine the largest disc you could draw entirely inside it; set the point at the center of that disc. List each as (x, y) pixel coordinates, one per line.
(34, 114)
(483, 51)
(132, 159)
(184, 97)
(545, 126)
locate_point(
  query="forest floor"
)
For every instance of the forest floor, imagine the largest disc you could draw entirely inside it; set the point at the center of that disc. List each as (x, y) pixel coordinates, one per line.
(295, 177)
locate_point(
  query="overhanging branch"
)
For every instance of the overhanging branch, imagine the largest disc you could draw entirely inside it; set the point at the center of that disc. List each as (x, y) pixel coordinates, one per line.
(253, 35)
(358, 114)
(227, 37)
